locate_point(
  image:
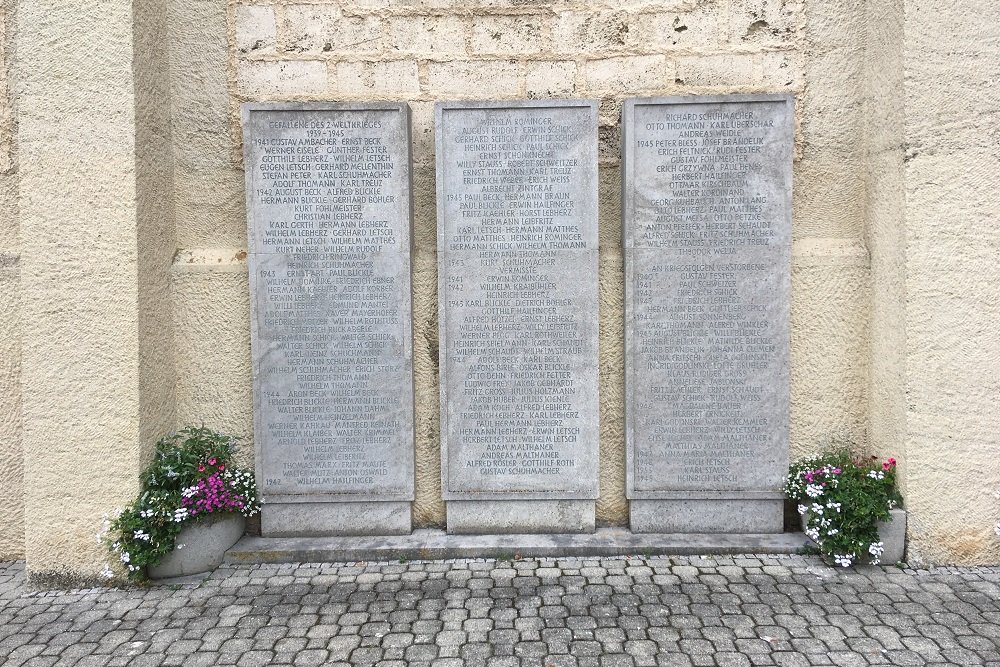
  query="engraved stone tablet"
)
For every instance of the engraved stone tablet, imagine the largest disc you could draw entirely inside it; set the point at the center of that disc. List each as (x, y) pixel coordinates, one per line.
(329, 217)
(707, 207)
(517, 253)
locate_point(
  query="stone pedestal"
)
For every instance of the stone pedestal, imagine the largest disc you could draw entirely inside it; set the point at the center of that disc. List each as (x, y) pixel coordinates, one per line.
(329, 215)
(517, 252)
(707, 235)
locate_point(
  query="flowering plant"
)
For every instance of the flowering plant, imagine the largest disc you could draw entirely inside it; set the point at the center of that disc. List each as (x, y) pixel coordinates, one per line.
(843, 499)
(189, 478)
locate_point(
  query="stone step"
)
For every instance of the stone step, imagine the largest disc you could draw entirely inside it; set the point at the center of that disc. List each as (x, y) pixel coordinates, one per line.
(434, 544)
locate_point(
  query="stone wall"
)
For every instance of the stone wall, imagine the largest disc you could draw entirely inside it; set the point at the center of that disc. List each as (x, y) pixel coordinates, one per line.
(11, 487)
(97, 243)
(138, 320)
(422, 51)
(951, 63)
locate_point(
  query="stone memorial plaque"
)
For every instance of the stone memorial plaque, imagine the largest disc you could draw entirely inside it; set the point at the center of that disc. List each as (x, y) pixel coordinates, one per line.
(707, 227)
(517, 253)
(329, 217)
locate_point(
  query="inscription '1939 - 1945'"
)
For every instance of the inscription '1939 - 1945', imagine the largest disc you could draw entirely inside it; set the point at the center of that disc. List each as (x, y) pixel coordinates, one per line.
(329, 215)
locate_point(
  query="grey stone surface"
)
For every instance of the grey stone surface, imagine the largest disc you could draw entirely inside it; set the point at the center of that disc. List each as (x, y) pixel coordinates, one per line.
(521, 516)
(329, 218)
(200, 547)
(713, 611)
(706, 515)
(434, 543)
(893, 536)
(891, 533)
(313, 519)
(707, 234)
(517, 253)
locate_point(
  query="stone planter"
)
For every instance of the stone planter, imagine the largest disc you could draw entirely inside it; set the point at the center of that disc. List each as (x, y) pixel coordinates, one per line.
(204, 545)
(892, 534)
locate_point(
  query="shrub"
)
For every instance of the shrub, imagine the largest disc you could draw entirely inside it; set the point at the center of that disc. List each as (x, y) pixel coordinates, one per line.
(843, 498)
(190, 478)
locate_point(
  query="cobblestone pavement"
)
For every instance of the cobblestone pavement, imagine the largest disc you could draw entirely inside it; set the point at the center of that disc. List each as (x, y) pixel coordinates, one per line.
(725, 611)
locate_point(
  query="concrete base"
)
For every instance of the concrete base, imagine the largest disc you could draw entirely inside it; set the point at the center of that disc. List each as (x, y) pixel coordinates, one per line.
(333, 519)
(203, 546)
(430, 544)
(701, 515)
(505, 517)
(892, 533)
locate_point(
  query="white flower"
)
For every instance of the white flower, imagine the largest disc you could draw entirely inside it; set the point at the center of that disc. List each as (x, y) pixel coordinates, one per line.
(803, 509)
(179, 546)
(125, 557)
(832, 532)
(876, 549)
(180, 514)
(814, 490)
(871, 473)
(140, 535)
(842, 560)
(817, 508)
(106, 572)
(834, 506)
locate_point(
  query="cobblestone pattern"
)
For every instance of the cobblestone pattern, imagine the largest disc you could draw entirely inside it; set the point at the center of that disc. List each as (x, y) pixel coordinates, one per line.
(789, 611)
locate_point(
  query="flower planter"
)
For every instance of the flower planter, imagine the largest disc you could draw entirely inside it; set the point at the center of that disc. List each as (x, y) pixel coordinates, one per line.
(202, 547)
(891, 533)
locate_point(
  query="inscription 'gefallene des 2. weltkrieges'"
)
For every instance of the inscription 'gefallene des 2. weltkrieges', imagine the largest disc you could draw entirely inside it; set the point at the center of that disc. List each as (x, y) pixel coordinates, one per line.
(330, 270)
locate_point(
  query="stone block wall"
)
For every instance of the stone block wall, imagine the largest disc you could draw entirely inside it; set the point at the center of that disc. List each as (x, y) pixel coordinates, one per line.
(421, 51)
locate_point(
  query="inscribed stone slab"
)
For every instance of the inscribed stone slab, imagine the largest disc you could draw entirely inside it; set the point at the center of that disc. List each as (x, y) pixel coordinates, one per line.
(517, 253)
(329, 217)
(707, 208)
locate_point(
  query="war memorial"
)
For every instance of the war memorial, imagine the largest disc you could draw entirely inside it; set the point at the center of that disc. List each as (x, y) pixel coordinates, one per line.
(482, 276)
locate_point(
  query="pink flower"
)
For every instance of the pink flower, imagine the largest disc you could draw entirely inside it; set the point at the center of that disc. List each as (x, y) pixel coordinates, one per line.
(201, 468)
(221, 468)
(211, 461)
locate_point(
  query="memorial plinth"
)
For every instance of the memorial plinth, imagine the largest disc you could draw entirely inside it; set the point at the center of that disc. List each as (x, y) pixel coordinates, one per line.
(329, 219)
(707, 234)
(517, 254)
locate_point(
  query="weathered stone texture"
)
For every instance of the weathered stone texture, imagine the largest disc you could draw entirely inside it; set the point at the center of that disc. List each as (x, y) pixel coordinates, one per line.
(11, 486)
(331, 315)
(430, 50)
(97, 225)
(708, 260)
